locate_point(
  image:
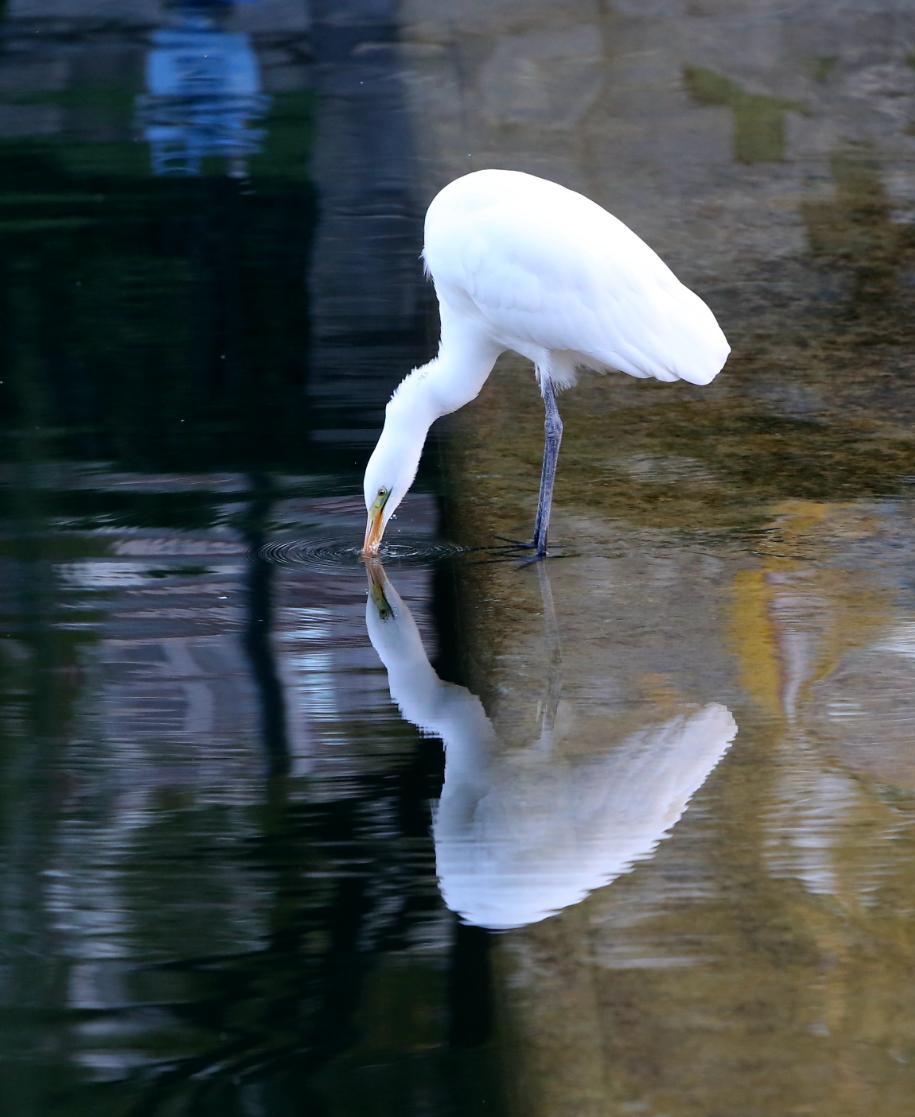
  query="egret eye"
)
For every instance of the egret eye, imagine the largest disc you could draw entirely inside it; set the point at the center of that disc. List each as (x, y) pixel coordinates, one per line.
(382, 492)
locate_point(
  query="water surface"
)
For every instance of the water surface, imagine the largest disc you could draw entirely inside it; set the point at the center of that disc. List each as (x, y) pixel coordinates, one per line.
(627, 834)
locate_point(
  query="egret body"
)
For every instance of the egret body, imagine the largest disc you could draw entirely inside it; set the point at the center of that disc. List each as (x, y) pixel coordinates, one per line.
(521, 263)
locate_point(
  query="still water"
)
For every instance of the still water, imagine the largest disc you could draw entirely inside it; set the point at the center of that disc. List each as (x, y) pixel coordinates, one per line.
(630, 833)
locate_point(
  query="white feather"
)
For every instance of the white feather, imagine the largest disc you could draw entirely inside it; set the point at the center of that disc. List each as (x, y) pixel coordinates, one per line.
(549, 273)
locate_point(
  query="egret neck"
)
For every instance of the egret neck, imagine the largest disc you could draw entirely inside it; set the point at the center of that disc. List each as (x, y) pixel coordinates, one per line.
(445, 384)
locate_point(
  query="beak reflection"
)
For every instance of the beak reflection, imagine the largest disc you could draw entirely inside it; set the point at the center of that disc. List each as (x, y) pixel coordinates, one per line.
(377, 584)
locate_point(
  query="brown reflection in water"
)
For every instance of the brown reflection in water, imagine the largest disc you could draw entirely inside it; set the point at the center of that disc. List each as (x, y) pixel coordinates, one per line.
(746, 544)
(759, 121)
(765, 946)
(857, 230)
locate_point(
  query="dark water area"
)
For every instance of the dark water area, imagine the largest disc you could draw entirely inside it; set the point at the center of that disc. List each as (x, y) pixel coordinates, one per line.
(630, 833)
(218, 879)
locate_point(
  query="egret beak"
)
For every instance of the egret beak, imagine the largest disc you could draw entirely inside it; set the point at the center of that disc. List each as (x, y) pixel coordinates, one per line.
(374, 529)
(377, 583)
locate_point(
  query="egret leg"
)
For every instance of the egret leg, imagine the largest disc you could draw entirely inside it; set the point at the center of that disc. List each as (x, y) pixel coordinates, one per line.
(552, 429)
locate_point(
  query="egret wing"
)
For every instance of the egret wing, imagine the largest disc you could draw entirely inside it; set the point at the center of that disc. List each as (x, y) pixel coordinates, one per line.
(554, 271)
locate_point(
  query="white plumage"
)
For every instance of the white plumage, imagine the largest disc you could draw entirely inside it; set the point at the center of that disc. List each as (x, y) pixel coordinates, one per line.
(550, 274)
(524, 264)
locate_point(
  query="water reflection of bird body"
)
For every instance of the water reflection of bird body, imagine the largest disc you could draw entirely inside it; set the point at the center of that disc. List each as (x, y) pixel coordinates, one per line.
(523, 264)
(521, 834)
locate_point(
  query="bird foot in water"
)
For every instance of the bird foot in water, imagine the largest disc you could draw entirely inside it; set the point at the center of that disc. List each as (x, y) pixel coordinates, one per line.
(509, 546)
(515, 544)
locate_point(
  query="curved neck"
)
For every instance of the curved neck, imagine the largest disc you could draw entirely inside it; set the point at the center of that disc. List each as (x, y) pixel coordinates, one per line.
(445, 710)
(465, 359)
(450, 380)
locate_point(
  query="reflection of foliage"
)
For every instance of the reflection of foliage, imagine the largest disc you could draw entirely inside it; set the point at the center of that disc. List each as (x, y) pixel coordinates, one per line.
(108, 98)
(759, 120)
(750, 459)
(288, 137)
(791, 563)
(857, 229)
(822, 66)
(158, 315)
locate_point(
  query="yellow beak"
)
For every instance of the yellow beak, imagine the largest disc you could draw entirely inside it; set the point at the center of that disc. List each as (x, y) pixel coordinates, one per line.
(374, 529)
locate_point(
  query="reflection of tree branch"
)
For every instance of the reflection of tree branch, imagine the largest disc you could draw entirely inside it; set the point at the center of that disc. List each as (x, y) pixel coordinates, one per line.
(291, 1009)
(856, 231)
(759, 120)
(469, 987)
(256, 637)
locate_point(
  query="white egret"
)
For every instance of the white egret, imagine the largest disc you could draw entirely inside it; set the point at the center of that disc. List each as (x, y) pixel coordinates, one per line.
(521, 834)
(524, 264)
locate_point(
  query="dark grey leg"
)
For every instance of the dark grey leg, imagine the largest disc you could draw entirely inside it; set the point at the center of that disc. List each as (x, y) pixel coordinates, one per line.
(552, 428)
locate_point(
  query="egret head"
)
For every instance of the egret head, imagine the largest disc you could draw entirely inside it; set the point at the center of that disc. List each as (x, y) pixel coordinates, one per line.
(390, 471)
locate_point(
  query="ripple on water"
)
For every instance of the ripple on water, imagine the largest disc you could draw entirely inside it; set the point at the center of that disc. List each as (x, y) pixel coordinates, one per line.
(329, 556)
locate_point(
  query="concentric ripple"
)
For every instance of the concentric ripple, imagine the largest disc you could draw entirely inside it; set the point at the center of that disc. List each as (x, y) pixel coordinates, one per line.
(329, 556)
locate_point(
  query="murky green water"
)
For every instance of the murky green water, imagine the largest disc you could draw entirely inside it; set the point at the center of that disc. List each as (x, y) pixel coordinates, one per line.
(663, 863)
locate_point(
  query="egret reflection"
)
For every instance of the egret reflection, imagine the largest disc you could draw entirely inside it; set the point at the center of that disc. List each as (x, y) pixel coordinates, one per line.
(520, 835)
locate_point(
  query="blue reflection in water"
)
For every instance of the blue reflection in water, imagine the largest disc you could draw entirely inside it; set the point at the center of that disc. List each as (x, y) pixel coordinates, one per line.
(203, 96)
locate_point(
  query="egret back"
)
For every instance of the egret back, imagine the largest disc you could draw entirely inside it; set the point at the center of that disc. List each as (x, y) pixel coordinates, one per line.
(547, 272)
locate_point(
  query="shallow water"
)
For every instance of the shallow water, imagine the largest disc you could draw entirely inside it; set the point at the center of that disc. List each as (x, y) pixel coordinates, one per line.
(628, 833)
